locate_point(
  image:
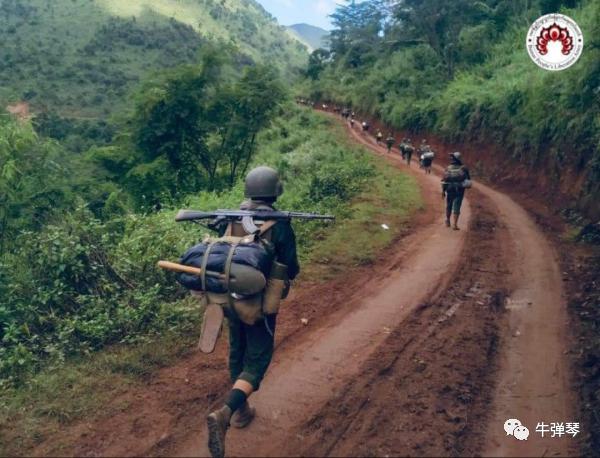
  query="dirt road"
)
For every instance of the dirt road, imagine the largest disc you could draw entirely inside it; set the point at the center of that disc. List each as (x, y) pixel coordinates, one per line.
(299, 401)
(426, 352)
(532, 383)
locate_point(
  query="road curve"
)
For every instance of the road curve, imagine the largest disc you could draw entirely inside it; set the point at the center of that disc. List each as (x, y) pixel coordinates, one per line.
(533, 382)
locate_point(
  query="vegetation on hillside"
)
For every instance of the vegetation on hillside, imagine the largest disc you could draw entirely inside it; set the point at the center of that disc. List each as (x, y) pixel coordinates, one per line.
(460, 69)
(79, 59)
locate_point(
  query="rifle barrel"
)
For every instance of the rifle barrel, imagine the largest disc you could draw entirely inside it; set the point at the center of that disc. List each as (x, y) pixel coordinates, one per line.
(191, 215)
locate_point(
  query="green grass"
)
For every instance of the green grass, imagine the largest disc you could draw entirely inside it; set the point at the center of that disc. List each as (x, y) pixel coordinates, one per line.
(391, 199)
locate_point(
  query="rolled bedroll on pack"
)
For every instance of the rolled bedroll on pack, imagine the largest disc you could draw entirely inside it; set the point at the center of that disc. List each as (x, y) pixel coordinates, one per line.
(243, 280)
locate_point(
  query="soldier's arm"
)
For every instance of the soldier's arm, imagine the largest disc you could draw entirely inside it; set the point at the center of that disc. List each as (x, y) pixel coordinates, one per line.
(284, 240)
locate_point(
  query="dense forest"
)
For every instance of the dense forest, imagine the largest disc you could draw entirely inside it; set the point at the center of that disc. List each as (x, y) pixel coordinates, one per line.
(459, 69)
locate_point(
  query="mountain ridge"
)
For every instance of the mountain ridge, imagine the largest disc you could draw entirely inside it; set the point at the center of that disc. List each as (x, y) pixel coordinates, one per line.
(314, 37)
(83, 58)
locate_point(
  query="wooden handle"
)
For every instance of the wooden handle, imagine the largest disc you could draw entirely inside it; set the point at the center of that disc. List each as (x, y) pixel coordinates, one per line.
(174, 267)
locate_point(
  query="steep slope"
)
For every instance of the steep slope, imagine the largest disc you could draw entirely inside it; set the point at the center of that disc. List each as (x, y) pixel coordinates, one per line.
(314, 37)
(82, 56)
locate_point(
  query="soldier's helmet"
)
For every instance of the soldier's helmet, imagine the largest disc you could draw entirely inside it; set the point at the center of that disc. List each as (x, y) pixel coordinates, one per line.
(455, 156)
(263, 182)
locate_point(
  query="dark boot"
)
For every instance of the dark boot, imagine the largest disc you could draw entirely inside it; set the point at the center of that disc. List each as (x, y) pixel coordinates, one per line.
(243, 416)
(218, 423)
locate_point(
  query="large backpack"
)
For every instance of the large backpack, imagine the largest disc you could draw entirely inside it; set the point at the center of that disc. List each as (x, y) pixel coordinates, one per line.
(223, 259)
(455, 176)
(253, 251)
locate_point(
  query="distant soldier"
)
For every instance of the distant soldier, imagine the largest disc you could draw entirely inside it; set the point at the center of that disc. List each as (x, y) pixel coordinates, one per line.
(251, 346)
(365, 126)
(409, 149)
(379, 137)
(402, 147)
(456, 179)
(389, 141)
(352, 122)
(427, 160)
(423, 148)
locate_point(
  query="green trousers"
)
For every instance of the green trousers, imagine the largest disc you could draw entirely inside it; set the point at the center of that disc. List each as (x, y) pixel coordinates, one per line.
(250, 349)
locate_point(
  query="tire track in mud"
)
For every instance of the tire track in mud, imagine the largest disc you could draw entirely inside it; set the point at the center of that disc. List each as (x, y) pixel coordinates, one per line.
(534, 381)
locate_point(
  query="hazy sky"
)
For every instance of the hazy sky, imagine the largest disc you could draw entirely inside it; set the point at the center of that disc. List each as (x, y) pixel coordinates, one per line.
(290, 12)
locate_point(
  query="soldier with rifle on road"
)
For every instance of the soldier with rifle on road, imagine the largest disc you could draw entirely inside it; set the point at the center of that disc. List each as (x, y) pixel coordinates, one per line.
(456, 179)
(389, 141)
(251, 347)
(247, 294)
(409, 149)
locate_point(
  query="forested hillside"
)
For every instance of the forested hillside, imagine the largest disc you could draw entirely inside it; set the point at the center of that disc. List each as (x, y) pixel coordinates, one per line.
(137, 106)
(80, 59)
(460, 69)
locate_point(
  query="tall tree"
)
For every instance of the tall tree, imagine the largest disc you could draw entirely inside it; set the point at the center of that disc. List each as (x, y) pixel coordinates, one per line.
(357, 30)
(33, 179)
(196, 129)
(439, 23)
(246, 108)
(170, 126)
